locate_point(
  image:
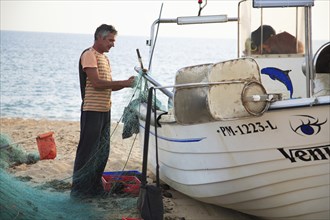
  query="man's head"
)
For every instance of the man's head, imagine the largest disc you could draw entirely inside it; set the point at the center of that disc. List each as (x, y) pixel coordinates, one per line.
(261, 35)
(104, 38)
(104, 30)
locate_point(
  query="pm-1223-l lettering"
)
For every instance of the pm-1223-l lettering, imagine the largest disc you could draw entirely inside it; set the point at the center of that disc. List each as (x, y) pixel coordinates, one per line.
(244, 129)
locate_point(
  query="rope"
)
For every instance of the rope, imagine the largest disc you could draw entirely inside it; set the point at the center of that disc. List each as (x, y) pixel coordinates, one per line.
(129, 154)
(17, 142)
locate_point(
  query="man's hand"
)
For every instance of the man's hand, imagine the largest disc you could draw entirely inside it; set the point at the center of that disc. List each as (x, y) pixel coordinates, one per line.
(131, 81)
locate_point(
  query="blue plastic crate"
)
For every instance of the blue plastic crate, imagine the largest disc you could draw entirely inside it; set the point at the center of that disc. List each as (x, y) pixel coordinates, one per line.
(123, 173)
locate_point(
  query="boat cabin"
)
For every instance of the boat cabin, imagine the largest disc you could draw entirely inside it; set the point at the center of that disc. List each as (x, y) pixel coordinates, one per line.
(277, 35)
(268, 31)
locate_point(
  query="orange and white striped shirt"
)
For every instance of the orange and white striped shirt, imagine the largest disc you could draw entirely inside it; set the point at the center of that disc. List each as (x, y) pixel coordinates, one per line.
(97, 99)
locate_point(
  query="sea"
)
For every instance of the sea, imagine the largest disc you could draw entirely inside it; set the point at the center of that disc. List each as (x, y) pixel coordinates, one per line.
(39, 71)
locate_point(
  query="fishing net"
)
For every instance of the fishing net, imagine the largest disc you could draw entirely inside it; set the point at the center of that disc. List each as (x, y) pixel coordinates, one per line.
(13, 154)
(21, 198)
(131, 118)
(22, 201)
(131, 112)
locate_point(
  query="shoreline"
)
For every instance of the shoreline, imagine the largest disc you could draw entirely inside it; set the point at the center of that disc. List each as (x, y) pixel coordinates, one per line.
(66, 135)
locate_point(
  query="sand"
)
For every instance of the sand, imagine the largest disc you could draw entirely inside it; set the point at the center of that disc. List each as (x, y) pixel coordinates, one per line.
(66, 134)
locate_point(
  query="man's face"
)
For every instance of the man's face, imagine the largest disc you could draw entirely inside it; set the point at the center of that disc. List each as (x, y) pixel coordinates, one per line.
(106, 42)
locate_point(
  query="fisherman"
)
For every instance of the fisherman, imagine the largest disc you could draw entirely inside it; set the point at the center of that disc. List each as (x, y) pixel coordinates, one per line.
(264, 40)
(259, 36)
(96, 85)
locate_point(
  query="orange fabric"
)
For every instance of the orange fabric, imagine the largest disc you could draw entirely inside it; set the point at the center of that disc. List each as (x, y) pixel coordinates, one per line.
(282, 43)
(88, 59)
(97, 99)
(46, 146)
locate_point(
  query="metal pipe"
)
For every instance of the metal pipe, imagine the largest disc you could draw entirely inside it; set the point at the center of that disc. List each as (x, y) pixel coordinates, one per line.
(202, 19)
(150, 42)
(185, 21)
(152, 30)
(201, 84)
(233, 19)
(238, 28)
(153, 81)
(308, 52)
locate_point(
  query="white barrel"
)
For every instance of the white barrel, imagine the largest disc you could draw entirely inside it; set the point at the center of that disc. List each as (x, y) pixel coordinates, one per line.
(225, 98)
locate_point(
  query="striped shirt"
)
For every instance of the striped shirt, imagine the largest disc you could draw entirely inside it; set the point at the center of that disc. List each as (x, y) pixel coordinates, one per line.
(98, 100)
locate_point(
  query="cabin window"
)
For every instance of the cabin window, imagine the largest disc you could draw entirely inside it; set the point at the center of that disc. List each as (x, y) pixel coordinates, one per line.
(271, 31)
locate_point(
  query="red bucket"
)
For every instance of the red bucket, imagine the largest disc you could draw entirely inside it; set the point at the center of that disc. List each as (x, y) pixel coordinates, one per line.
(46, 146)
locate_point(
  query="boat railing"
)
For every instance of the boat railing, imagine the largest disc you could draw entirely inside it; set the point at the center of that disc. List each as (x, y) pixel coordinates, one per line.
(170, 95)
(144, 73)
(186, 20)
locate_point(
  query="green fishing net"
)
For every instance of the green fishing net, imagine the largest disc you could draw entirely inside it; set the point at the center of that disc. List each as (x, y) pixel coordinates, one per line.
(13, 154)
(21, 199)
(131, 112)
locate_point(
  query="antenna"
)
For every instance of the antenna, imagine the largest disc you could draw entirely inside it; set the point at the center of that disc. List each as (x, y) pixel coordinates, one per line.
(200, 2)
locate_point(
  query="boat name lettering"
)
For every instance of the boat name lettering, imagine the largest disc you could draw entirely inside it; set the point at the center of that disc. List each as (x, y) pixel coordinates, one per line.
(307, 154)
(249, 128)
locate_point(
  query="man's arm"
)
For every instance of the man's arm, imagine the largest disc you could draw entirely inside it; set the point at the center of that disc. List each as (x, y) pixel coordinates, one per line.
(98, 83)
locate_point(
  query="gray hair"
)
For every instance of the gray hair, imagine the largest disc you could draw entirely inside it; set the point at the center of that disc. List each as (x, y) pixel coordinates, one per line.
(104, 30)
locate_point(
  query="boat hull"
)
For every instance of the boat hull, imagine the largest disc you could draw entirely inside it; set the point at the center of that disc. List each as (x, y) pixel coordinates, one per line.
(272, 166)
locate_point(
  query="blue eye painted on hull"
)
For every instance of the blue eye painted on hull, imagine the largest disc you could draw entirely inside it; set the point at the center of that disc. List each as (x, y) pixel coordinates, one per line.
(307, 129)
(308, 125)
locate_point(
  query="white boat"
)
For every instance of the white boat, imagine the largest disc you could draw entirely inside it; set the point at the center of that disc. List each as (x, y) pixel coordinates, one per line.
(236, 138)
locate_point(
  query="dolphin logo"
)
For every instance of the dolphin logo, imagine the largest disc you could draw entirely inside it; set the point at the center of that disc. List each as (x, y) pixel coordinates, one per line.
(280, 75)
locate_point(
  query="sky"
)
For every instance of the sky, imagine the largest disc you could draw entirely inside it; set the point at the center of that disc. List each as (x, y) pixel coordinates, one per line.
(132, 18)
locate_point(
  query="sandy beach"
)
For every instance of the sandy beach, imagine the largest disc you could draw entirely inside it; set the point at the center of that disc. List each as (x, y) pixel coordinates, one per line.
(66, 134)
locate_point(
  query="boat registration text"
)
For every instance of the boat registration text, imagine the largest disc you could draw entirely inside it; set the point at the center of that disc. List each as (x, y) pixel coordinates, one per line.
(244, 129)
